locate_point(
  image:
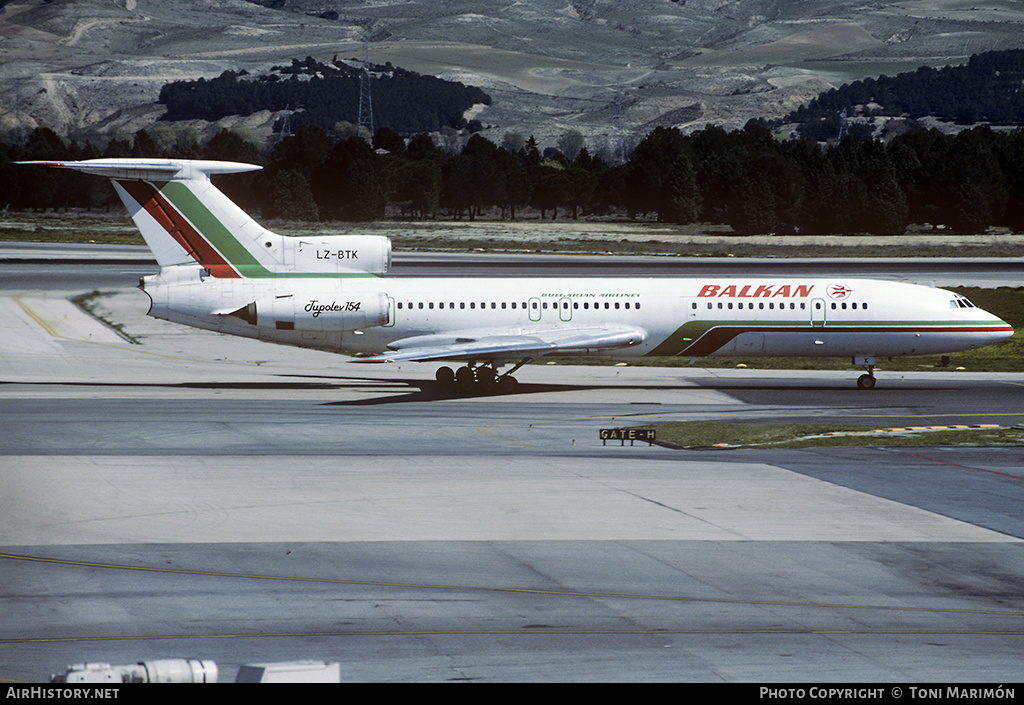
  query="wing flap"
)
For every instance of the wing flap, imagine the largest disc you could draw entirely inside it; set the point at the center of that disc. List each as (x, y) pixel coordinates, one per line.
(466, 346)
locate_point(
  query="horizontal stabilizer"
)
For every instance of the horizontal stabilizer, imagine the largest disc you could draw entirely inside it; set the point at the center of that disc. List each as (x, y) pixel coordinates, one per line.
(151, 169)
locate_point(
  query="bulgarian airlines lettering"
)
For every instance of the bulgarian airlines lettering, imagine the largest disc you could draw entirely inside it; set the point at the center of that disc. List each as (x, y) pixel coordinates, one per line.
(758, 291)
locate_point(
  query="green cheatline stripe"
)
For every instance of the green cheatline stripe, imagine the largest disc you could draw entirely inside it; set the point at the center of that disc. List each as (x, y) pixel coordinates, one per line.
(258, 272)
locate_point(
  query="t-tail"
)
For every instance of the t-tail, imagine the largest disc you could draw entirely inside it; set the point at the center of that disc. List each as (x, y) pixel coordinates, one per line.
(186, 220)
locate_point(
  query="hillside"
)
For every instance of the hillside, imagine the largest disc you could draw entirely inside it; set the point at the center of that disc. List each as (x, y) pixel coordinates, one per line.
(606, 68)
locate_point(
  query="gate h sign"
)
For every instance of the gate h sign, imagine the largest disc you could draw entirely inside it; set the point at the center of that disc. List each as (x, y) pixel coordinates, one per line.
(627, 434)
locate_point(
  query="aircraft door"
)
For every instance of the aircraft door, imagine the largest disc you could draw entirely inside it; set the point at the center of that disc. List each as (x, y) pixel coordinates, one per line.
(565, 310)
(817, 313)
(534, 309)
(691, 308)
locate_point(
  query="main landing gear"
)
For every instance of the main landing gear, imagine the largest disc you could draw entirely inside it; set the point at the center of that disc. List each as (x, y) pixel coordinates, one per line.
(479, 378)
(866, 381)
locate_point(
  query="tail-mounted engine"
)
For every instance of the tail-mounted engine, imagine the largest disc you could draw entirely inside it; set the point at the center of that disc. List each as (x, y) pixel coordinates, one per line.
(370, 254)
(344, 312)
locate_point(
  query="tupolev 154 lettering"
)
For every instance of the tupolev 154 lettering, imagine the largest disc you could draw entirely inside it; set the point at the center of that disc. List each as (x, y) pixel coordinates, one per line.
(221, 271)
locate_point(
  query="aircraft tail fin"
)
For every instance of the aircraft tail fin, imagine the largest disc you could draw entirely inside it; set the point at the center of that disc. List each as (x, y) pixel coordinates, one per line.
(184, 218)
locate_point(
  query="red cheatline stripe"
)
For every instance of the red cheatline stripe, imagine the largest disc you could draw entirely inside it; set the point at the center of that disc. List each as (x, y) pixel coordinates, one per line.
(148, 196)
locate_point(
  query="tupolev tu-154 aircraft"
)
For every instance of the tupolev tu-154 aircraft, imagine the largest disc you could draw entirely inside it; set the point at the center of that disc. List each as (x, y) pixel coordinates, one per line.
(221, 271)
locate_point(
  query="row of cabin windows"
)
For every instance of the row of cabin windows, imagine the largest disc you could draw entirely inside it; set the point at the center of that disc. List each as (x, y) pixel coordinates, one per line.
(514, 305)
(782, 306)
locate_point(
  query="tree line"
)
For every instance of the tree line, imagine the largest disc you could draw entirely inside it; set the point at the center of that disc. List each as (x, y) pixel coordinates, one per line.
(747, 179)
(325, 95)
(985, 89)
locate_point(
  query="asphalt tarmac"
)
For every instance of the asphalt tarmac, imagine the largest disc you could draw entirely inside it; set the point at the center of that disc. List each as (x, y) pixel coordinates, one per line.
(194, 495)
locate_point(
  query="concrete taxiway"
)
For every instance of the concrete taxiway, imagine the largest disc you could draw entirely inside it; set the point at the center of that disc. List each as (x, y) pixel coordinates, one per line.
(193, 495)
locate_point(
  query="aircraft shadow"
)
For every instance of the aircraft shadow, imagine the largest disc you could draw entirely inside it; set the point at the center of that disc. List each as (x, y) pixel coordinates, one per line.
(432, 392)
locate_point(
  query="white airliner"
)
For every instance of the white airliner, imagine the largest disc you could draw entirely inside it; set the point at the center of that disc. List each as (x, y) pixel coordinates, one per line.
(221, 271)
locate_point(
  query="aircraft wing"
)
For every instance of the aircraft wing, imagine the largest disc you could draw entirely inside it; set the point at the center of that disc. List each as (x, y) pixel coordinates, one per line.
(488, 346)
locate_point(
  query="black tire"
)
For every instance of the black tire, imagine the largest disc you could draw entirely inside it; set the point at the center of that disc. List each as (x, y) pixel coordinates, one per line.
(485, 380)
(465, 381)
(445, 376)
(866, 382)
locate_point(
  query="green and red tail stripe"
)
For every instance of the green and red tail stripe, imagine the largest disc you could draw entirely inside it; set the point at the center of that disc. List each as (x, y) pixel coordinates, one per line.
(177, 226)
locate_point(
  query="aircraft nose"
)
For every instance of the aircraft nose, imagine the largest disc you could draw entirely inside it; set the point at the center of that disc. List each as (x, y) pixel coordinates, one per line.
(1003, 329)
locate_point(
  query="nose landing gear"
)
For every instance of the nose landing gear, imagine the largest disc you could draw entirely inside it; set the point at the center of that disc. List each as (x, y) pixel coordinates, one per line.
(866, 381)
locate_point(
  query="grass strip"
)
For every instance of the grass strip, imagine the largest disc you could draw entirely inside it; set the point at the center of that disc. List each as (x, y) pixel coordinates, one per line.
(723, 435)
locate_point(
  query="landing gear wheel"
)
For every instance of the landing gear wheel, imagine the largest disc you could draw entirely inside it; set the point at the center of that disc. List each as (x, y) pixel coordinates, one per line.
(465, 380)
(866, 382)
(507, 384)
(445, 376)
(485, 380)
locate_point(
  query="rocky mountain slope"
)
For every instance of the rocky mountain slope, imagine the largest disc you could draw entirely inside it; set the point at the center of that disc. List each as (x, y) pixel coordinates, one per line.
(611, 69)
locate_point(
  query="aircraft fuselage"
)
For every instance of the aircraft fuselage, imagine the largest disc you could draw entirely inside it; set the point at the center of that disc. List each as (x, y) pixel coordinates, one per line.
(696, 317)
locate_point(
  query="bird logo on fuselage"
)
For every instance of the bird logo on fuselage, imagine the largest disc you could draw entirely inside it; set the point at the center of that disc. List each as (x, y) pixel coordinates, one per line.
(839, 291)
